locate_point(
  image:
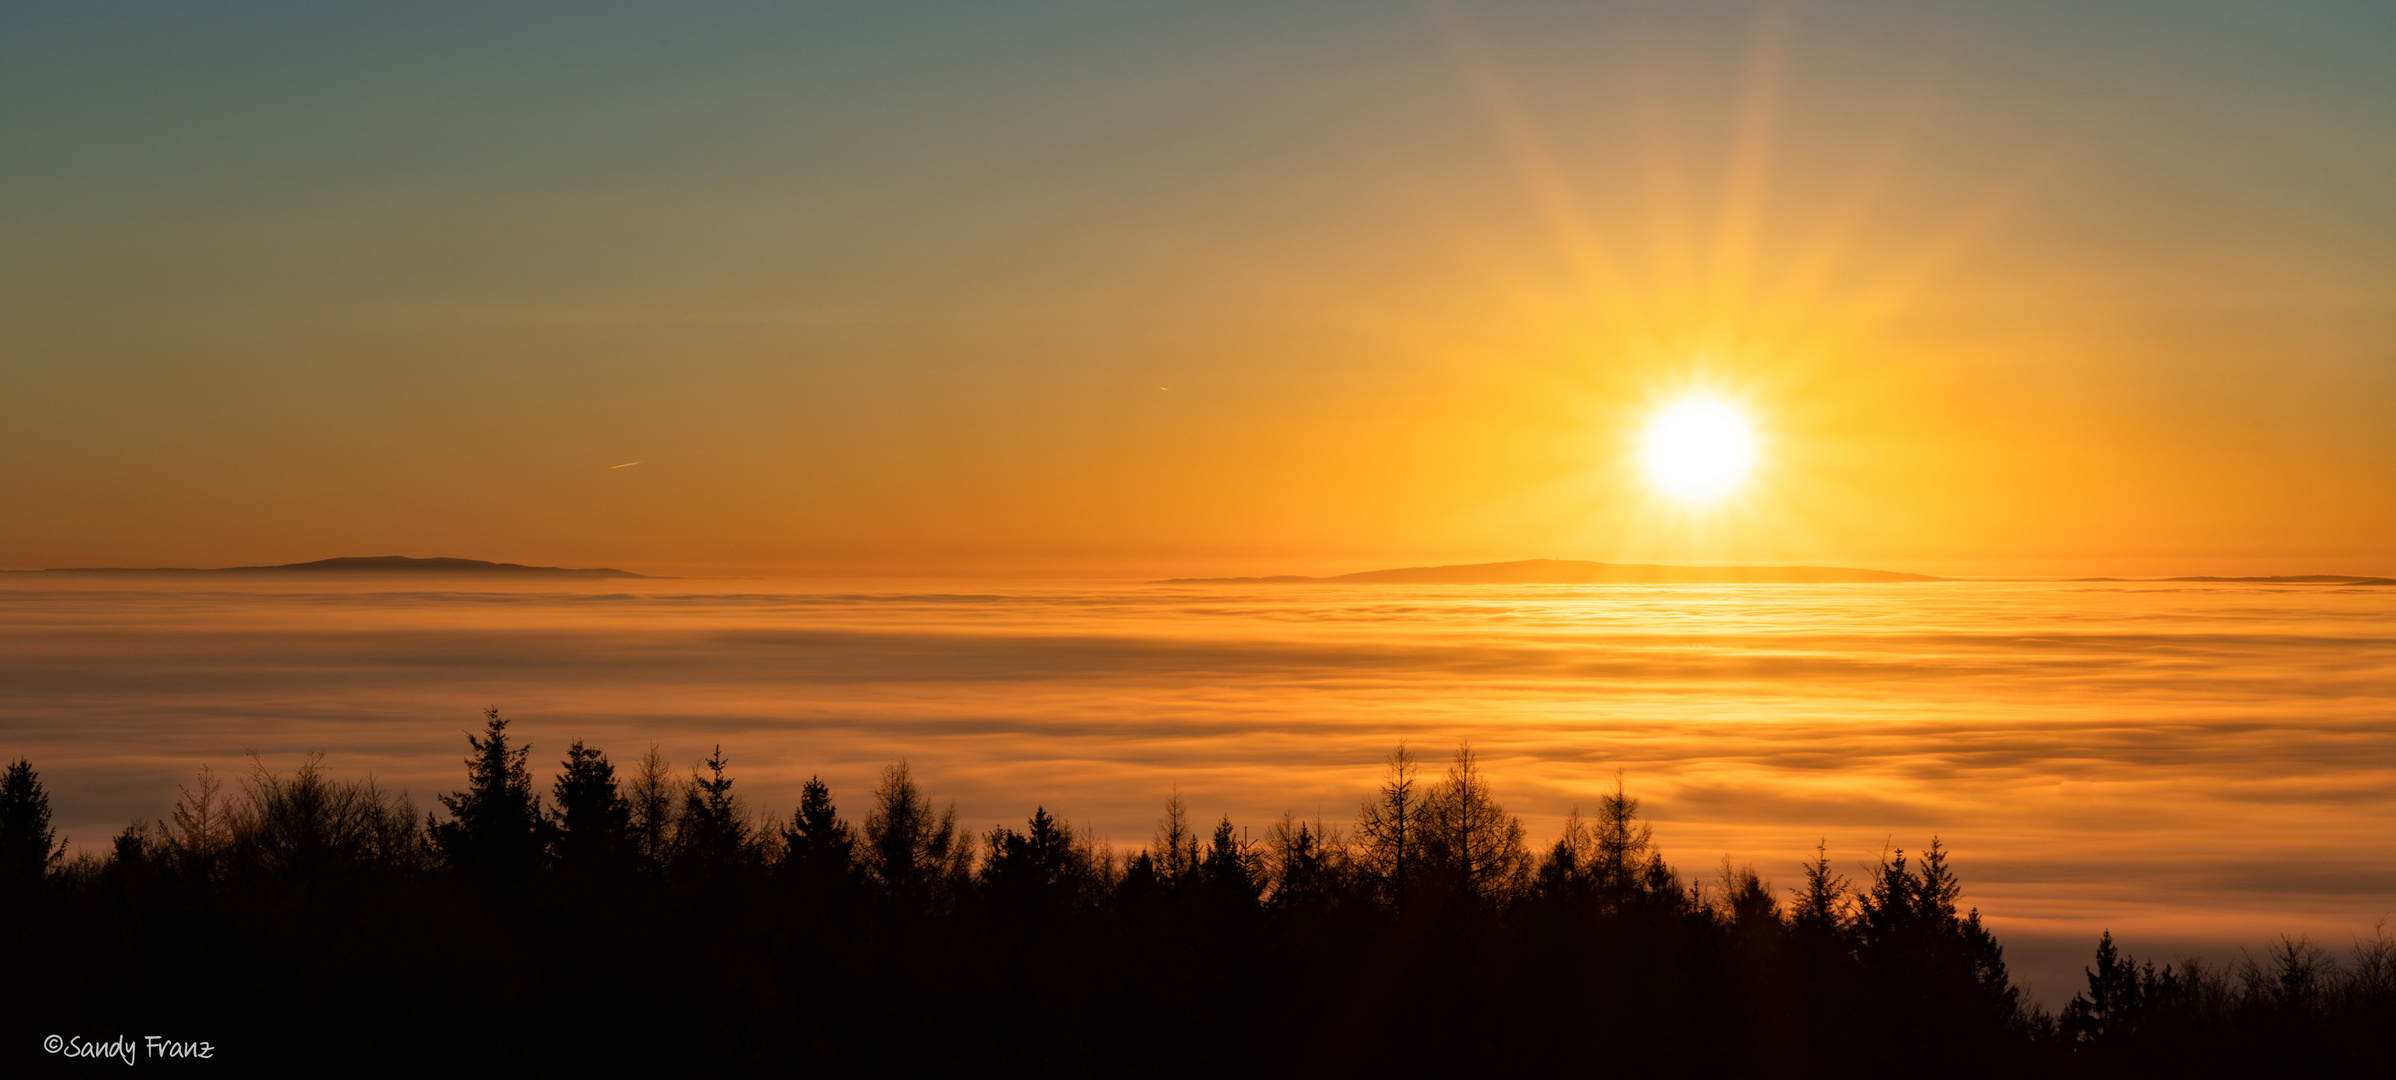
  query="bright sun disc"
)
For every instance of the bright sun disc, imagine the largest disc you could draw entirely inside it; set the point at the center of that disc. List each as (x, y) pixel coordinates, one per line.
(1698, 449)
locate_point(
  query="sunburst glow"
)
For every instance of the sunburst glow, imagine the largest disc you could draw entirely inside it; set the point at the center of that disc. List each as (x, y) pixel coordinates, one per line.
(1698, 449)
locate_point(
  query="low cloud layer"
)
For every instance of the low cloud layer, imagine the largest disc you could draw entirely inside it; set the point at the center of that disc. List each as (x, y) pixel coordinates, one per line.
(2208, 764)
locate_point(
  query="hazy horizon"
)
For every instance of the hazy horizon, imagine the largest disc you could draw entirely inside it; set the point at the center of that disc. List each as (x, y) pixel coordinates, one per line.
(2058, 572)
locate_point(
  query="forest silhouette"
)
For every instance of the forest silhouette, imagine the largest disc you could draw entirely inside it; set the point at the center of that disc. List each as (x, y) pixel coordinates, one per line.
(650, 919)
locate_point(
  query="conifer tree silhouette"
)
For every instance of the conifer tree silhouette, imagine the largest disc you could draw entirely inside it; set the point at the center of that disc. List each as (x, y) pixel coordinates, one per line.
(1820, 909)
(1302, 873)
(28, 847)
(497, 831)
(1568, 875)
(818, 848)
(594, 820)
(2109, 1010)
(714, 837)
(1033, 874)
(1885, 916)
(1747, 898)
(1230, 870)
(913, 855)
(1937, 974)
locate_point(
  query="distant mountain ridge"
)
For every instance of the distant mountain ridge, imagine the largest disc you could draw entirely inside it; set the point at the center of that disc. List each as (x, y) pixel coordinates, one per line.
(1578, 572)
(369, 566)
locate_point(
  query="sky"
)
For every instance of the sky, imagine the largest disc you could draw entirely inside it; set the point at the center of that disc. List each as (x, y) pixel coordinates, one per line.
(1097, 289)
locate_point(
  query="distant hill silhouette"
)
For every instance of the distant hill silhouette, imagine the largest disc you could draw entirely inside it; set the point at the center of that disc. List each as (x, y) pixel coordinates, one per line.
(1578, 572)
(369, 566)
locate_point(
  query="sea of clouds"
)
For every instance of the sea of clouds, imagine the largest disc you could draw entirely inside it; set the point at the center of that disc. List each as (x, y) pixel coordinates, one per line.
(2195, 767)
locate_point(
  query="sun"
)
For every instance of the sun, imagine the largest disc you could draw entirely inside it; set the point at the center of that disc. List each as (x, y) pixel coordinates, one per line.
(1698, 449)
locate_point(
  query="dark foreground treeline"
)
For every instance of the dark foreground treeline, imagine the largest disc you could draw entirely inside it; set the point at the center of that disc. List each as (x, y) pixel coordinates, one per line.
(645, 922)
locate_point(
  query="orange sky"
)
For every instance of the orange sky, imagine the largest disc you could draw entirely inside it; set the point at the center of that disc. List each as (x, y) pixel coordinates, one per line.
(1074, 290)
